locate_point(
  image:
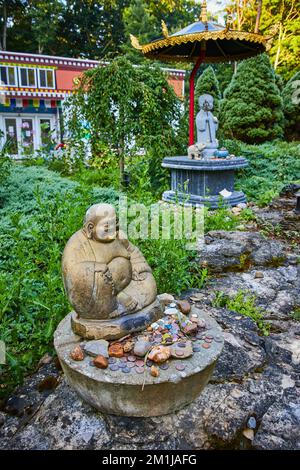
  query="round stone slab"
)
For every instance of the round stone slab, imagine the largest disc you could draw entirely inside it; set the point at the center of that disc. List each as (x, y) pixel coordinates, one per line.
(118, 392)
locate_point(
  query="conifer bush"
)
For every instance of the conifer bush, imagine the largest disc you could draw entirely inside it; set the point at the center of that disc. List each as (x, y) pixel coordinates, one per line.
(208, 83)
(291, 107)
(252, 107)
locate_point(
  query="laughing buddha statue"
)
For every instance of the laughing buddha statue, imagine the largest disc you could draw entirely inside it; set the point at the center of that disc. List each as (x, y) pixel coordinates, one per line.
(107, 279)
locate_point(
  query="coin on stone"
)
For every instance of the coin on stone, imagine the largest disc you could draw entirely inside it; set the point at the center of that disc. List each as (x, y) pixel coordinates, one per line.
(112, 360)
(164, 366)
(131, 358)
(179, 353)
(206, 345)
(139, 370)
(181, 345)
(130, 365)
(139, 363)
(126, 370)
(180, 366)
(114, 367)
(122, 365)
(196, 348)
(218, 339)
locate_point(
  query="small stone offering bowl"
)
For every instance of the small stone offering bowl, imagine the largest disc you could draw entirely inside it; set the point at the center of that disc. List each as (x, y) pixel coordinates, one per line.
(221, 153)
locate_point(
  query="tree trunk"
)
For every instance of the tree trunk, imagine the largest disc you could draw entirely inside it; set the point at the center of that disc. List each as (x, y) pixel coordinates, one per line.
(121, 166)
(4, 32)
(278, 47)
(258, 16)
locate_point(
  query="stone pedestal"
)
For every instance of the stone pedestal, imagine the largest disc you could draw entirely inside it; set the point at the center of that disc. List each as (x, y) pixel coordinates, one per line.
(116, 327)
(140, 394)
(200, 181)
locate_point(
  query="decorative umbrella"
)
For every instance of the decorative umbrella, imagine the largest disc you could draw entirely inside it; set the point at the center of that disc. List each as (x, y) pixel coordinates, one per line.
(202, 42)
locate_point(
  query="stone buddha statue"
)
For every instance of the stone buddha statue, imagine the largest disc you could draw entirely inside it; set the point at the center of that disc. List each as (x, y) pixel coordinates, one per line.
(107, 279)
(207, 125)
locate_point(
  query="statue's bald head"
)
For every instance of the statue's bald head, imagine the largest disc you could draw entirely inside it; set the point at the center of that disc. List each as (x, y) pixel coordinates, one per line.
(99, 210)
(100, 222)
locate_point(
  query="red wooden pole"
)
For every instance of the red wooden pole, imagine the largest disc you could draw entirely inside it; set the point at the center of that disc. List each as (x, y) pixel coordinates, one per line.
(192, 96)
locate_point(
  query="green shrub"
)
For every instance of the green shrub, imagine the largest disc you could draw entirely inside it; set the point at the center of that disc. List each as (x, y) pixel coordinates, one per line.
(243, 303)
(208, 83)
(291, 107)
(5, 162)
(41, 212)
(252, 107)
(271, 167)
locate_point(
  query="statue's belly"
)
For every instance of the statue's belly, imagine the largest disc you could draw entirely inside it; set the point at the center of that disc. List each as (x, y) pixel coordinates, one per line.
(121, 272)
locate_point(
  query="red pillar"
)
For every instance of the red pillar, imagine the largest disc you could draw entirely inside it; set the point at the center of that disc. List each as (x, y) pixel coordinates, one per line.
(192, 97)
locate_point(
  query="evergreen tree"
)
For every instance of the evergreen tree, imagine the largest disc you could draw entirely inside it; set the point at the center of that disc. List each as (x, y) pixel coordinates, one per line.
(139, 21)
(208, 83)
(252, 107)
(291, 107)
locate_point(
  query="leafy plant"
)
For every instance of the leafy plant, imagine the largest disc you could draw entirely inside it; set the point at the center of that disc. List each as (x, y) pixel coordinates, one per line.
(40, 213)
(243, 303)
(127, 108)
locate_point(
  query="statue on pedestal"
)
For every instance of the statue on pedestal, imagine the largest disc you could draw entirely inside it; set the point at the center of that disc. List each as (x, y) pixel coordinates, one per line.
(207, 126)
(107, 279)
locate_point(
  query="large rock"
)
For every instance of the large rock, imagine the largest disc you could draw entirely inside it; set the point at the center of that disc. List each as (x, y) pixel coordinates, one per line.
(279, 428)
(237, 251)
(277, 292)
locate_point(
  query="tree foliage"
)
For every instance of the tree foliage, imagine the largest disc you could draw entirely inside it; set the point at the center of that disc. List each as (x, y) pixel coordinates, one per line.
(208, 83)
(128, 108)
(291, 107)
(252, 107)
(279, 22)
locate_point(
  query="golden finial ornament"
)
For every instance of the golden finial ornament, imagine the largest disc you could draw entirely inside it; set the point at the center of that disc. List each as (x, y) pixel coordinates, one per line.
(203, 16)
(135, 42)
(164, 29)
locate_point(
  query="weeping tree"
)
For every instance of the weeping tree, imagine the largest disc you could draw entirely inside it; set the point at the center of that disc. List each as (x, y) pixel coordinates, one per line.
(252, 107)
(208, 83)
(128, 108)
(291, 107)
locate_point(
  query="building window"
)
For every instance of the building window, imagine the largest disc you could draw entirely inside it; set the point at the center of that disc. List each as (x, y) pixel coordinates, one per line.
(27, 76)
(46, 78)
(8, 75)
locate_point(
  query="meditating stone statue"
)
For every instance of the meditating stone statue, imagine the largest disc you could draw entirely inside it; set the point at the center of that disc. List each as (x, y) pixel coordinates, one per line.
(207, 126)
(107, 279)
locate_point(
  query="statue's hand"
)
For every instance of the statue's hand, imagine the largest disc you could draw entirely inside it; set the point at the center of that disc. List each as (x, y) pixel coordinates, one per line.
(140, 272)
(101, 268)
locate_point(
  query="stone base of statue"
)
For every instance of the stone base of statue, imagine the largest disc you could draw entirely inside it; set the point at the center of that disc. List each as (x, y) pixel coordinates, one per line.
(200, 182)
(116, 327)
(138, 393)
